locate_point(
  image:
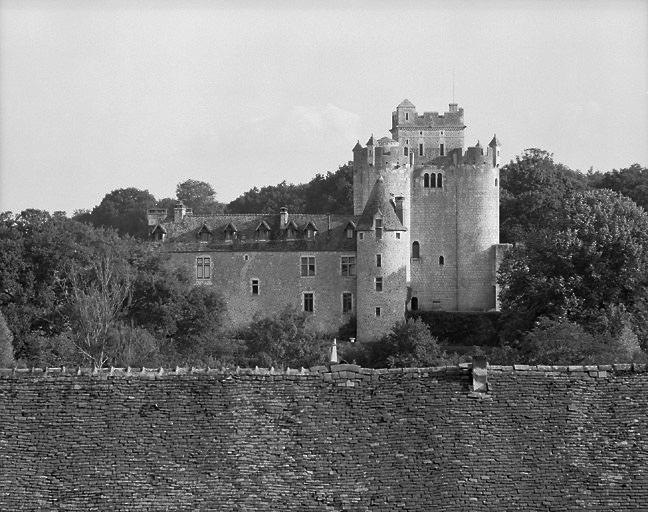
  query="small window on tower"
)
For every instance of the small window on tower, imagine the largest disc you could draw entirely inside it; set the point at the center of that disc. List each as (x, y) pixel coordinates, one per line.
(406, 116)
(416, 250)
(433, 180)
(426, 180)
(379, 284)
(441, 260)
(379, 229)
(378, 311)
(379, 260)
(405, 150)
(397, 235)
(255, 287)
(440, 180)
(414, 304)
(442, 150)
(495, 181)
(420, 149)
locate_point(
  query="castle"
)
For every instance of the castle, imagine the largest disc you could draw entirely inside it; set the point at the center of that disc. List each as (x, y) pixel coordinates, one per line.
(424, 236)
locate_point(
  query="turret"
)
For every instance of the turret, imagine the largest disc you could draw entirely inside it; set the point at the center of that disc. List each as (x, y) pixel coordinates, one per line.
(495, 145)
(382, 255)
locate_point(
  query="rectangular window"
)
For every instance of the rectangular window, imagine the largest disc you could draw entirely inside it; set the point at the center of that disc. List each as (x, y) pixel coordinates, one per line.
(309, 302)
(361, 236)
(255, 287)
(441, 150)
(379, 229)
(405, 151)
(347, 302)
(420, 149)
(348, 266)
(379, 260)
(379, 284)
(397, 236)
(307, 266)
(203, 267)
(377, 311)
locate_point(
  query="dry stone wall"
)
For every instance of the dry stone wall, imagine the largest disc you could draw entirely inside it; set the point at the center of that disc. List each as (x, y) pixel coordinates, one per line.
(325, 439)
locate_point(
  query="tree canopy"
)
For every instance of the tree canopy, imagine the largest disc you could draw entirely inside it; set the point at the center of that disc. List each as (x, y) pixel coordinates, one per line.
(533, 188)
(124, 209)
(199, 196)
(631, 182)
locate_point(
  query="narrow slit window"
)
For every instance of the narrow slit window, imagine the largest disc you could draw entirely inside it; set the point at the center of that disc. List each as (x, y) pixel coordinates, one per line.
(441, 260)
(420, 149)
(433, 180)
(379, 260)
(255, 287)
(379, 284)
(426, 180)
(442, 149)
(440, 180)
(378, 311)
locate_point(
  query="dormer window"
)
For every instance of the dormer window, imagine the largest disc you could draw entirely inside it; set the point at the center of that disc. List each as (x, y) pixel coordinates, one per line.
(263, 231)
(350, 230)
(291, 231)
(204, 234)
(230, 232)
(310, 230)
(158, 233)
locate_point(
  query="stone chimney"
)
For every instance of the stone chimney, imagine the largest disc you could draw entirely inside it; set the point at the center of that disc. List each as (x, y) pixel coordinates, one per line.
(283, 217)
(179, 212)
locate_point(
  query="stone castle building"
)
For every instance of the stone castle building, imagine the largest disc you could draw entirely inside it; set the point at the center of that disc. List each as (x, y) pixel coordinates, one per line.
(424, 236)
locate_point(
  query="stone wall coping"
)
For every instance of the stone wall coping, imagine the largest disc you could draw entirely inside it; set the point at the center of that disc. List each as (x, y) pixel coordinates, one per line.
(334, 371)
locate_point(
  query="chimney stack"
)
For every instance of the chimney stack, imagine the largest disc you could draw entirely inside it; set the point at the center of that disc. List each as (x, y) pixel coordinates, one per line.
(283, 217)
(179, 211)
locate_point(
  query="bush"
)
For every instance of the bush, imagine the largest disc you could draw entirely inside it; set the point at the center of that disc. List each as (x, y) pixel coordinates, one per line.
(6, 346)
(409, 344)
(462, 328)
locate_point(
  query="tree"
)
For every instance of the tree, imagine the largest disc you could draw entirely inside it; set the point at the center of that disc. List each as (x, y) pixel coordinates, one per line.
(6, 347)
(124, 209)
(270, 199)
(533, 188)
(591, 255)
(284, 340)
(632, 182)
(199, 196)
(99, 295)
(408, 344)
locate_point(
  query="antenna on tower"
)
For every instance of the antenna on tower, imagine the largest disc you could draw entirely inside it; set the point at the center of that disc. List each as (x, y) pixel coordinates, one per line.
(453, 84)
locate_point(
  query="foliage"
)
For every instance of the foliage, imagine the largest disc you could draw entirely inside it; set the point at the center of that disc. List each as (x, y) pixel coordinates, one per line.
(284, 340)
(6, 346)
(98, 299)
(330, 193)
(124, 209)
(409, 344)
(199, 196)
(533, 188)
(592, 255)
(462, 328)
(632, 182)
(559, 341)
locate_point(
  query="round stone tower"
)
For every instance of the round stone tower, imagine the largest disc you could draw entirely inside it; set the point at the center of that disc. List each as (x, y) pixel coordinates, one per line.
(454, 233)
(382, 254)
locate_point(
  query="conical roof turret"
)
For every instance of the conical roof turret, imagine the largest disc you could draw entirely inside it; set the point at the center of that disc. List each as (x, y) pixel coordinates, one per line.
(370, 142)
(495, 142)
(379, 203)
(357, 146)
(405, 103)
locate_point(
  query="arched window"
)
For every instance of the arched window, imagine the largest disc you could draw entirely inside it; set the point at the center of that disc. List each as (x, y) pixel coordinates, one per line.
(439, 180)
(414, 304)
(416, 250)
(405, 150)
(426, 180)
(433, 180)
(441, 260)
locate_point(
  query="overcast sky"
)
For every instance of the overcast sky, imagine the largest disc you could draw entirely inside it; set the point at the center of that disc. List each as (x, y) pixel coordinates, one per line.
(100, 95)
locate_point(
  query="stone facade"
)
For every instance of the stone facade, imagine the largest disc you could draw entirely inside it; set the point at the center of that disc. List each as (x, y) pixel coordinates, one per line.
(436, 208)
(326, 439)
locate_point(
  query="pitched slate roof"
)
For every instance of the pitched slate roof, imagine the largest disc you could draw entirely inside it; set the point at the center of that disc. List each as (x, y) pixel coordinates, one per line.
(331, 233)
(495, 142)
(379, 203)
